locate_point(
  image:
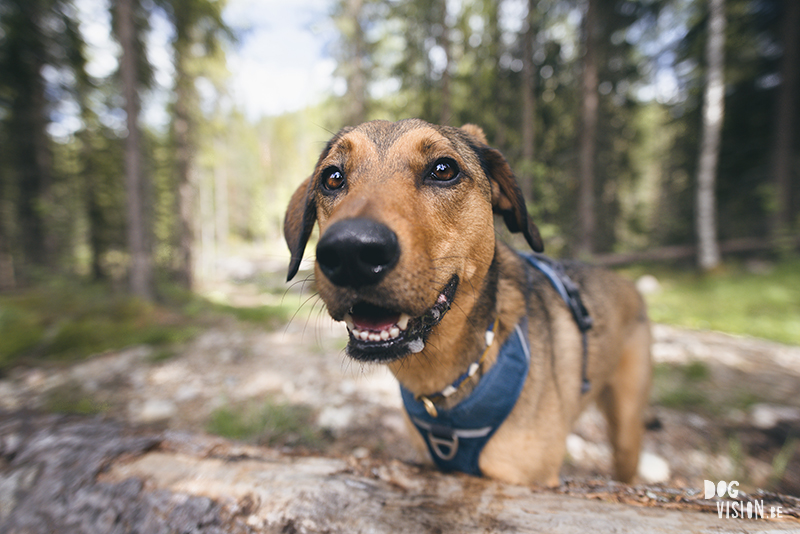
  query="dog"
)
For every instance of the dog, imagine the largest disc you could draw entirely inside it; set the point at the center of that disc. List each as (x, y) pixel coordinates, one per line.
(409, 260)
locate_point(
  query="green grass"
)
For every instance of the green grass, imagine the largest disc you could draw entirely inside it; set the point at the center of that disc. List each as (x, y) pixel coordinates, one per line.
(731, 300)
(72, 399)
(268, 423)
(681, 386)
(64, 321)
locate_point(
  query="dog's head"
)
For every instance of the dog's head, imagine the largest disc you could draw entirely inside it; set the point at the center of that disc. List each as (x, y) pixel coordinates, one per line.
(406, 228)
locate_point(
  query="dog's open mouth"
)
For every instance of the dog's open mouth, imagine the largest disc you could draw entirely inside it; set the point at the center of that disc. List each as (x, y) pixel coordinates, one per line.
(382, 334)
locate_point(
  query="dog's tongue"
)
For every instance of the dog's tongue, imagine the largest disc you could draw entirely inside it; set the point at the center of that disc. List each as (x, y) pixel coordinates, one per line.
(369, 317)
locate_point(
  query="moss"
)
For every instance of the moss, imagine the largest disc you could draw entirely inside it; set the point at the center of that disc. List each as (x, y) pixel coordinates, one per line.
(20, 331)
(67, 321)
(269, 423)
(682, 386)
(71, 398)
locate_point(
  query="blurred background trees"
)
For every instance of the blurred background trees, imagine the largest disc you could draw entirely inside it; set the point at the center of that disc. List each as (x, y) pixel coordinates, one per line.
(597, 105)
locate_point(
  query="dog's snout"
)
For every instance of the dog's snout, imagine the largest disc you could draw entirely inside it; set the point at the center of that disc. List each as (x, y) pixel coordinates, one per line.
(357, 252)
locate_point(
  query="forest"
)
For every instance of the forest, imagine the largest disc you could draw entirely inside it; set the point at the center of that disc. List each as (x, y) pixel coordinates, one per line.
(143, 265)
(650, 129)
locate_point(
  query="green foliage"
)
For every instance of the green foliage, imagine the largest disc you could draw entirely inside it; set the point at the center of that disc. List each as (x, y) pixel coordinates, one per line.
(20, 331)
(681, 387)
(71, 398)
(67, 321)
(734, 300)
(269, 423)
(64, 321)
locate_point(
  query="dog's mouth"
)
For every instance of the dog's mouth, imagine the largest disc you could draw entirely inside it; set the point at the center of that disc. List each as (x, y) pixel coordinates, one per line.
(382, 335)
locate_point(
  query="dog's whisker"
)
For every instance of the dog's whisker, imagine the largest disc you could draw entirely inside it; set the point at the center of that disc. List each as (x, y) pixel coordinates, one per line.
(294, 315)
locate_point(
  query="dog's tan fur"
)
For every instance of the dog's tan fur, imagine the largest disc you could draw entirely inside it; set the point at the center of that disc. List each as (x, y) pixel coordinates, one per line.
(447, 231)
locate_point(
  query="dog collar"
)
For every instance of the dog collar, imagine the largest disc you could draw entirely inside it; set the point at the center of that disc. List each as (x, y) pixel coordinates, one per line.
(429, 400)
(456, 437)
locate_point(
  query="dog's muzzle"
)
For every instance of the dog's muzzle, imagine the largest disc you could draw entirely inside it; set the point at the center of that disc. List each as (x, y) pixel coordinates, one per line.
(357, 252)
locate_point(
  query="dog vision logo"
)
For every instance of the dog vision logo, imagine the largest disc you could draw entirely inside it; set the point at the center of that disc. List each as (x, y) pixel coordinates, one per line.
(737, 509)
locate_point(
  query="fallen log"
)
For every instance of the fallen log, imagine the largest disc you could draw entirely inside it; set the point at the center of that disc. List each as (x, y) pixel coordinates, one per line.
(69, 474)
(682, 252)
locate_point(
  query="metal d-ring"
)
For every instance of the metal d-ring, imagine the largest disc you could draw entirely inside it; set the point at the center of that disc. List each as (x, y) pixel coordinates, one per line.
(436, 444)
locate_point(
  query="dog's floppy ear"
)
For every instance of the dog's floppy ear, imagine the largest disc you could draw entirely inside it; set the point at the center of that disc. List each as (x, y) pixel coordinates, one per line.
(298, 224)
(477, 132)
(507, 198)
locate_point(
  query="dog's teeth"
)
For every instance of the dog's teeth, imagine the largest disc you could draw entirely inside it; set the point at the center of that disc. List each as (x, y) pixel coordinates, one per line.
(416, 346)
(402, 324)
(394, 332)
(364, 335)
(374, 337)
(385, 335)
(348, 320)
(442, 299)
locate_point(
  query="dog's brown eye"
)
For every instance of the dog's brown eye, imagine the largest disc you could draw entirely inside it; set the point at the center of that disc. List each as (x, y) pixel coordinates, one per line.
(444, 170)
(332, 178)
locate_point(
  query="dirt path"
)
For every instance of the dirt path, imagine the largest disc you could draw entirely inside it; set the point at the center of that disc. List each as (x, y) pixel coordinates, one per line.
(725, 408)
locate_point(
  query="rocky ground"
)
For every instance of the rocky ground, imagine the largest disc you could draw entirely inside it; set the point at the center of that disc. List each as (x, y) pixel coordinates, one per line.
(725, 407)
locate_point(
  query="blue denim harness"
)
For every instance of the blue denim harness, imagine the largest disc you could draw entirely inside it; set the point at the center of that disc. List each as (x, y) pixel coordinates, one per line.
(456, 437)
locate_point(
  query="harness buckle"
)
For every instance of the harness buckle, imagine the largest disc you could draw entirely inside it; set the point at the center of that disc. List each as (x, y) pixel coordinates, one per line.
(437, 442)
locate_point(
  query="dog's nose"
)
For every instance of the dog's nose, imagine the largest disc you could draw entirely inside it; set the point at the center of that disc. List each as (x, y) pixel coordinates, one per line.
(357, 252)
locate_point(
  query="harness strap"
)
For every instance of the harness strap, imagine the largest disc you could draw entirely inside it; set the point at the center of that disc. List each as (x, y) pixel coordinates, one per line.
(563, 284)
(456, 437)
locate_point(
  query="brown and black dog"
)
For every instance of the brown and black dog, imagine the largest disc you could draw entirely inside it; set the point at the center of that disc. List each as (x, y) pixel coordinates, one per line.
(407, 257)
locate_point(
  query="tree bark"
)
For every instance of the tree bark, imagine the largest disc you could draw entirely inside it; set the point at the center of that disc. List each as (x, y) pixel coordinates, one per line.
(529, 76)
(141, 275)
(589, 106)
(187, 189)
(87, 475)
(785, 122)
(713, 115)
(445, 111)
(356, 77)
(31, 143)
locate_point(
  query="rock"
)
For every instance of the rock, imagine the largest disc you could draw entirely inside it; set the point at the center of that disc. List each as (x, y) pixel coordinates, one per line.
(648, 285)
(766, 416)
(153, 410)
(335, 418)
(653, 469)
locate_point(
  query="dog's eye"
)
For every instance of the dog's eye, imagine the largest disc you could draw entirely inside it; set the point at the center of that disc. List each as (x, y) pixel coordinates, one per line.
(444, 170)
(332, 179)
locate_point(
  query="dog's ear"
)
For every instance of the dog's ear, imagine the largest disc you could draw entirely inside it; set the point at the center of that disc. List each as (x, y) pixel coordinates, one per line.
(476, 132)
(507, 198)
(299, 223)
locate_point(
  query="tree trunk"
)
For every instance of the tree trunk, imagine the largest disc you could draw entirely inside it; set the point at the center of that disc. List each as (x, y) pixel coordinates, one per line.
(713, 115)
(785, 122)
(187, 190)
(529, 76)
(141, 275)
(221, 214)
(356, 76)
(445, 111)
(31, 152)
(7, 278)
(589, 101)
(68, 475)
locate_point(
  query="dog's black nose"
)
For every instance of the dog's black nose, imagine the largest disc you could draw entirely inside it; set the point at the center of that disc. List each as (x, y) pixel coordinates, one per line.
(357, 252)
